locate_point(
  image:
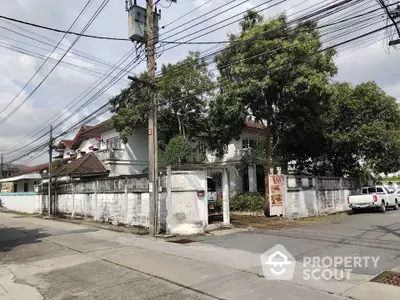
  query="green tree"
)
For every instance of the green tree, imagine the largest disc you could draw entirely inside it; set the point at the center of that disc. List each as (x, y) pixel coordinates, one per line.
(182, 101)
(363, 130)
(270, 72)
(177, 151)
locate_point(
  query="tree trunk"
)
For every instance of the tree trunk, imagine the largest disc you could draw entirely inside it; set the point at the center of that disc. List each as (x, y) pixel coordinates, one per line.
(267, 168)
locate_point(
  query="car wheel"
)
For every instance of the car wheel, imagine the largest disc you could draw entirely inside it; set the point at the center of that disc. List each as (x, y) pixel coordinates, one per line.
(383, 207)
(396, 206)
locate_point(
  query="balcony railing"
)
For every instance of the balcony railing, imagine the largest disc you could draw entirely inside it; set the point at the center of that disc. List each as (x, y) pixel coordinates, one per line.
(110, 154)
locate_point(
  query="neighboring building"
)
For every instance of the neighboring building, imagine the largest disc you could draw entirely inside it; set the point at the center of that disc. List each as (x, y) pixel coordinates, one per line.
(118, 158)
(86, 166)
(9, 170)
(24, 181)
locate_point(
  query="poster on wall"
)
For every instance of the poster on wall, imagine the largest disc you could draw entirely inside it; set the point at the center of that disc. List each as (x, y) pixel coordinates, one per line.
(7, 187)
(275, 183)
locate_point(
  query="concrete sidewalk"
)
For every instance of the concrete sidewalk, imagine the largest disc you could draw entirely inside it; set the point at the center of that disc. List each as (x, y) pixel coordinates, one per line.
(69, 261)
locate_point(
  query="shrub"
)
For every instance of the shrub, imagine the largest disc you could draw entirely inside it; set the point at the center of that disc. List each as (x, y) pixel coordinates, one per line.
(251, 202)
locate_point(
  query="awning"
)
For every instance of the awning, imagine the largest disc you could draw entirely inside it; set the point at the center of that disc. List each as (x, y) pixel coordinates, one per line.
(22, 177)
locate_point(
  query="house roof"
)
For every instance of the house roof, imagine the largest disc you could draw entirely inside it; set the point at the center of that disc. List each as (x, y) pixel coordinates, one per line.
(22, 177)
(64, 143)
(88, 165)
(98, 130)
(34, 169)
(78, 137)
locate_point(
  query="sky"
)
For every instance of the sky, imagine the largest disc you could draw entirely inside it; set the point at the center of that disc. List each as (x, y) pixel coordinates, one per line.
(89, 59)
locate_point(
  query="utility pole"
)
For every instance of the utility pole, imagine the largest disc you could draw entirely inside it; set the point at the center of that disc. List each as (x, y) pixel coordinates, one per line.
(152, 129)
(1, 165)
(50, 162)
(139, 17)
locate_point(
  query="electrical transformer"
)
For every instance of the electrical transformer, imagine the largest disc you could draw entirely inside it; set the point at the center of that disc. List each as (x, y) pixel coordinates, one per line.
(137, 24)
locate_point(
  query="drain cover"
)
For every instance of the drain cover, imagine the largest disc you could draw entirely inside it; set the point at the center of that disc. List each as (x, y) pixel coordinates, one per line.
(388, 277)
(182, 241)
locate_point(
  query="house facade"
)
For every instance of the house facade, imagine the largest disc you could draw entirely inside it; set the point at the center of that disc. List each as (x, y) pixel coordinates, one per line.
(242, 178)
(24, 181)
(131, 158)
(118, 158)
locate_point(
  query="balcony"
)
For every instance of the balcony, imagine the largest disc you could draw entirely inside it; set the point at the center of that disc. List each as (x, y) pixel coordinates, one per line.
(110, 154)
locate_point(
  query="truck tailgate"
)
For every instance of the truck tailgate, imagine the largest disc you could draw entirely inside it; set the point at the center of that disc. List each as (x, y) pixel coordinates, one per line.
(360, 199)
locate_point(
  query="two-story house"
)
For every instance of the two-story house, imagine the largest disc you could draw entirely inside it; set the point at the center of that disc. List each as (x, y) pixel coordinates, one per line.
(132, 157)
(118, 158)
(248, 178)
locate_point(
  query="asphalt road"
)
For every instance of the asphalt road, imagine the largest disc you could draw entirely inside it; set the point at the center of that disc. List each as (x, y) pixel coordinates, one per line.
(367, 234)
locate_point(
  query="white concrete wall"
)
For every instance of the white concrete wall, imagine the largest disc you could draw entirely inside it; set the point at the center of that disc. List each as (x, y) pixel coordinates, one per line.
(67, 153)
(85, 145)
(182, 212)
(132, 158)
(314, 200)
(187, 213)
(22, 203)
(129, 209)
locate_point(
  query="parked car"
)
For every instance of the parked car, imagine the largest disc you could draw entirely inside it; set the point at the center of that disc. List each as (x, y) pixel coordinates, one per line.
(374, 197)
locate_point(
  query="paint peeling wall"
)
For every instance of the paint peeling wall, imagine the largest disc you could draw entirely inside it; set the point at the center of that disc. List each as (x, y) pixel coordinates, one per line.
(313, 196)
(125, 201)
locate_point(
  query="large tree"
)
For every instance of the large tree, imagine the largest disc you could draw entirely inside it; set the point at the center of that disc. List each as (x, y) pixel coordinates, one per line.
(363, 130)
(273, 72)
(183, 91)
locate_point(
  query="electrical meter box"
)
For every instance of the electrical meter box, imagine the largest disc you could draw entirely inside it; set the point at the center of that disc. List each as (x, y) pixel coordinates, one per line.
(137, 24)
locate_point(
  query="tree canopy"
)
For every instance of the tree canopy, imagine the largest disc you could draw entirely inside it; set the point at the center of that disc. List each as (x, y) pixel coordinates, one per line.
(183, 91)
(362, 130)
(271, 72)
(274, 72)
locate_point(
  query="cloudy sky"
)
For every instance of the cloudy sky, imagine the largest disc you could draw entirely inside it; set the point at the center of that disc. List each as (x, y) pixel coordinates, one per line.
(24, 48)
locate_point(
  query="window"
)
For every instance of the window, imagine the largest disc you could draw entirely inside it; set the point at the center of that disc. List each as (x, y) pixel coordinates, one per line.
(225, 148)
(15, 188)
(371, 190)
(26, 186)
(113, 143)
(379, 190)
(249, 143)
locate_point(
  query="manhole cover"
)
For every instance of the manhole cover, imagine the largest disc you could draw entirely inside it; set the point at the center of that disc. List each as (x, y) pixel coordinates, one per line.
(182, 241)
(388, 277)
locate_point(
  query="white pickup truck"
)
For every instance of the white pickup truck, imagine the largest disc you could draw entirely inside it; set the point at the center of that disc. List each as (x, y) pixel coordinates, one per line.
(377, 197)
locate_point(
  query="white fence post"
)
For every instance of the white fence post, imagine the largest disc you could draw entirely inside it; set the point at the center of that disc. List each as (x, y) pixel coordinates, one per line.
(73, 201)
(225, 197)
(205, 204)
(169, 204)
(96, 202)
(126, 202)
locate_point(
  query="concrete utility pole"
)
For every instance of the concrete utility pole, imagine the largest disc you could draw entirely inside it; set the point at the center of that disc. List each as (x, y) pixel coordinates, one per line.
(139, 17)
(152, 130)
(1, 165)
(50, 162)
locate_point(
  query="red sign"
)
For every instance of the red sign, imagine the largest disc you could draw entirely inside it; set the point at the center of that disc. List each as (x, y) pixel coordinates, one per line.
(150, 131)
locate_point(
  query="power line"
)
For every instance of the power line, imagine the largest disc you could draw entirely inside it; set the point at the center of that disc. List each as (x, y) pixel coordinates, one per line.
(101, 7)
(42, 65)
(186, 14)
(111, 83)
(63, 31)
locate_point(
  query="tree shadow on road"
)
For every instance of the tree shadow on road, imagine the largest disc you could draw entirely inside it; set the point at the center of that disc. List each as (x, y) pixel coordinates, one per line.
(12, 237)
